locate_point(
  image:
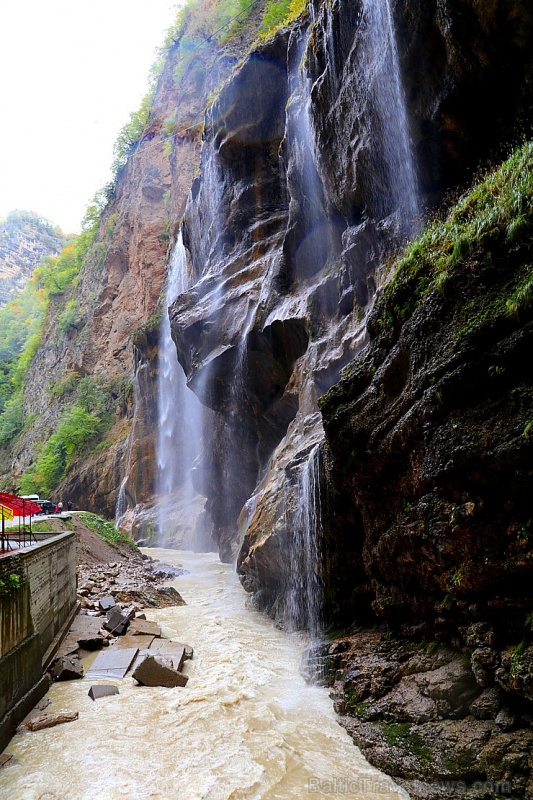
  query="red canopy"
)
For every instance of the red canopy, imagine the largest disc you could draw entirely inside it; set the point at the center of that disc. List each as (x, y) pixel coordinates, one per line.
(19, 506)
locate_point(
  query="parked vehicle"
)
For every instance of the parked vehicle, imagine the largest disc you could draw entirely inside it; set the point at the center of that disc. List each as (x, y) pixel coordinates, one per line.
(47, 507)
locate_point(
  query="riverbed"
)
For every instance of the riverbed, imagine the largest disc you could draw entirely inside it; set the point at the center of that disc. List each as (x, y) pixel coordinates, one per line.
(246, 727)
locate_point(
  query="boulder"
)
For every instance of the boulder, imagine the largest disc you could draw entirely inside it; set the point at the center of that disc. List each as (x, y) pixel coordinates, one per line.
(158, 671)
(49, 720)
(67, 668)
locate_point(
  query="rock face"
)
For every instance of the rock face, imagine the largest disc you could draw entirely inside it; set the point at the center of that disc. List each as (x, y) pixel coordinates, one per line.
(418, 713)
(293, 212)
(25, 239)
(421, 487)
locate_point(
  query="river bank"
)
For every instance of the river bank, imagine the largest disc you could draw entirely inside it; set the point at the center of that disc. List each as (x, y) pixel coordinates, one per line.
(246, 726)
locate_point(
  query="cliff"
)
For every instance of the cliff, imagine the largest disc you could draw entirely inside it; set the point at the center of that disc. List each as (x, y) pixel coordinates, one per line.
(278, 185)
(25, 239)
(390, 506)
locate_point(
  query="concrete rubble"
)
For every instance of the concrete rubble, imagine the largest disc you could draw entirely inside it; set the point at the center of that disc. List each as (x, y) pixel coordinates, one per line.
(111, 620)
(102, 690)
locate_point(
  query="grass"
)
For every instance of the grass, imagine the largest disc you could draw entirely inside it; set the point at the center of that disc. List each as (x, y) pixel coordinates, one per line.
(105, 529)
(495, 216)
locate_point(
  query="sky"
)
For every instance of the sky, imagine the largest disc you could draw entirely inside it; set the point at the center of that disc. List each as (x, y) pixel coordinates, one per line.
(71, 72)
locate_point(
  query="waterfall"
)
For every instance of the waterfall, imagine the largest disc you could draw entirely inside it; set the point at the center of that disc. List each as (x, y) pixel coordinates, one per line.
(304, 585)
(180, 422)
(381, 66)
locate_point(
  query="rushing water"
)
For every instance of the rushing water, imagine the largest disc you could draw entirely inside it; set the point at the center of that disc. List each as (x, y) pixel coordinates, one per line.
(246, 727)
(179, 418)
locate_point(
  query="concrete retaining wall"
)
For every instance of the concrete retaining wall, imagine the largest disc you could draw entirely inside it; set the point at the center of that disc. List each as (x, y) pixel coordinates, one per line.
(30, 618)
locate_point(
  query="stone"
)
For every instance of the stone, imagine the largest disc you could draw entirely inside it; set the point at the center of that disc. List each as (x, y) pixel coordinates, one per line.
(130, 640)
(4, 759)
(488, 704)
(144, 627)
(107, 603)
(172, 652)
(42, 721)
(112, 663)
(102, 690)
(67, 668)
(157, 671)
(116, 622)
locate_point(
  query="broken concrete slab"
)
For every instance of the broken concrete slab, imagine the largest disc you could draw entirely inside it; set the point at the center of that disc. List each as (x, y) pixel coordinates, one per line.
(107, 603)
(67, 668)
(157, 671)
(112, 663)
(141, 641)
(116, 622)
(84, 632)
(42, 721)
(144, 627)
(167, 649)
(102, 690)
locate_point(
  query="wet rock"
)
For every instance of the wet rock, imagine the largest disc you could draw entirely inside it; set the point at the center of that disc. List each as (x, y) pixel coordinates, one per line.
(67, 668)
(151, 596)
(488, 704)
(102, 690)
(158, 671)
(5, 758)
(116, 622)
(42, 721)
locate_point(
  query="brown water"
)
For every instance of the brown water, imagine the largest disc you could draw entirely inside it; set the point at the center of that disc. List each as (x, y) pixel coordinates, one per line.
(246, 727)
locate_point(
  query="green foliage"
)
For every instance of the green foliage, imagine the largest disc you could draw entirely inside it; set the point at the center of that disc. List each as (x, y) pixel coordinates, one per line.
(105, 529)
(20, 322)
(11, 418)
(517, 657)
(497, 212)
(278, 13)
(132, 132)
(68, 319)
(11, 583)
(80, 427)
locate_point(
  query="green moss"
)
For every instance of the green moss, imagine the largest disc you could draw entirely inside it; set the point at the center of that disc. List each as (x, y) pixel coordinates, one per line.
(401, 735)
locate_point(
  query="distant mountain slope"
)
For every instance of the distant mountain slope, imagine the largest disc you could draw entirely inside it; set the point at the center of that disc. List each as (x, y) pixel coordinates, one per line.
(25, 238)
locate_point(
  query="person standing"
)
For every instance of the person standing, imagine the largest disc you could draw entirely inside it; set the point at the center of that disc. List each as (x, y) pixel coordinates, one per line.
(59, 507)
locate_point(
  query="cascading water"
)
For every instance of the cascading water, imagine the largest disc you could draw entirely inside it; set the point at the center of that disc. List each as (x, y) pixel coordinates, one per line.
(304, 589)
(381, 66)
(180, 422)
(394, 185)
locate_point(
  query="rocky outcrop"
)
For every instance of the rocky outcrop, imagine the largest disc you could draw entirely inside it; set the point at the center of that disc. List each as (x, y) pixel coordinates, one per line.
(418, 713)
(428, 444)
(25, 239)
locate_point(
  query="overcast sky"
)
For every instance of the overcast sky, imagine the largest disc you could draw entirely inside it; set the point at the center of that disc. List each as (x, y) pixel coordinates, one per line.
(71, 71)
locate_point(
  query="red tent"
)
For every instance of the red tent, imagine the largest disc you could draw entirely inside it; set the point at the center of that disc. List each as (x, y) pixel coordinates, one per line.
(19, 506)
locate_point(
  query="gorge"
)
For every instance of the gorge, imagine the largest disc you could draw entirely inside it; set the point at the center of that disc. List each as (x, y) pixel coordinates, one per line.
(350, 420)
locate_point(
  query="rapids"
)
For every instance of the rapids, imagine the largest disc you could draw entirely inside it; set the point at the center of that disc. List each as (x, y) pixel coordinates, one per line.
(246, 727)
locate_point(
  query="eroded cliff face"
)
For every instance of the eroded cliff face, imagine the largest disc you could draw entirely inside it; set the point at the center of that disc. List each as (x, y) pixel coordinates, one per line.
(422, 482)
(300, 197)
